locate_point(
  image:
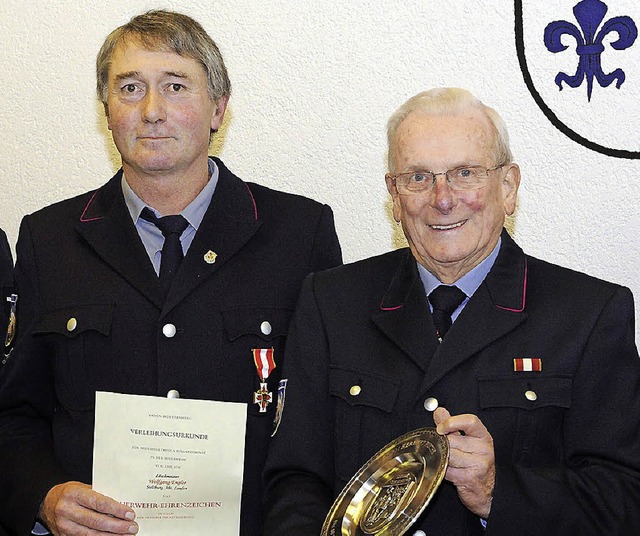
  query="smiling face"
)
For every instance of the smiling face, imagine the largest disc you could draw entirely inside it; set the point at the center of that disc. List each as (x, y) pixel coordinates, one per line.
(159, 111)
(450, 232)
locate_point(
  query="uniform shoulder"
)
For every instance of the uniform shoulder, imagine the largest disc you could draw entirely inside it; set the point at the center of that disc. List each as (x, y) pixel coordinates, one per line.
(269, 199)
(547, 280)
(88, 206)
(70, 207)
(379, 267)
(556, 274)
(361, 285)
(571, 285)
(268, 202)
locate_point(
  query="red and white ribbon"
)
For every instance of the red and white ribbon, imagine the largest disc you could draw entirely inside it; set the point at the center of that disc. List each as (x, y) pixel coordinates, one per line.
(527, 364)
(263, 358)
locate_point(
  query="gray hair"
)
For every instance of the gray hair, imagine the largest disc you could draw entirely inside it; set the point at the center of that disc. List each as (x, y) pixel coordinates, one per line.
(450, 101)
(167, 31)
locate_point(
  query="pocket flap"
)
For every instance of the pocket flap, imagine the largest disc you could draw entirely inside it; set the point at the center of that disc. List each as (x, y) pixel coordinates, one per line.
(76, 319)
(266, 322)
(359, 388)
(525, 393)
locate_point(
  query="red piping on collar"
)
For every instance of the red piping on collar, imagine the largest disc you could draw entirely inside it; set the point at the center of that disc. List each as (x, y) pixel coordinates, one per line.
(255, 208)
(524, 292)
(391, 308)
(82, 218)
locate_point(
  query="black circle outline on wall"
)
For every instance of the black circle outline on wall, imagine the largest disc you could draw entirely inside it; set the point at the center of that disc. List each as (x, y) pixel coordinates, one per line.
(519, 30)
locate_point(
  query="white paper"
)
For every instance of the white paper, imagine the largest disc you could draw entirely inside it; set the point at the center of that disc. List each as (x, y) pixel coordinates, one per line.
(178, 463)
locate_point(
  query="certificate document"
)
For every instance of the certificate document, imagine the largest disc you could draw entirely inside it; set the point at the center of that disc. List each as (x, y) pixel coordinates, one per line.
(178, 463)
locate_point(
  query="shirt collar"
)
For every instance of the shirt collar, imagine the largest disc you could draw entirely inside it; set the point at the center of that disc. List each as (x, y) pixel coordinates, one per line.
(469, 282)
(194, 212)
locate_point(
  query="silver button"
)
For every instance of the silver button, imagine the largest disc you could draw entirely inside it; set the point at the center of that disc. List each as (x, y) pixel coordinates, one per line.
(431, 404)
(531, 395)
(168, 330)
(419, 533)
(355, 390)
(173, 393)
(72, 324)
(265, 327)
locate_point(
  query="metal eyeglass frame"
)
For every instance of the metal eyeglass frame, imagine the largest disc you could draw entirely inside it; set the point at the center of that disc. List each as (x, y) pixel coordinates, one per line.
(446, 174)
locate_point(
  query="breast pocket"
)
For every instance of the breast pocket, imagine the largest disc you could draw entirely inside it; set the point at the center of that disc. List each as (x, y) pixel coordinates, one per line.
(527, 413)
(258, 323)
(79, 334)
(364, 404)
(248, 329)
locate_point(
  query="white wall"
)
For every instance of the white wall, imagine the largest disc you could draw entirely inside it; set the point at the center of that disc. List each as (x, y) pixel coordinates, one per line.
(314, 83)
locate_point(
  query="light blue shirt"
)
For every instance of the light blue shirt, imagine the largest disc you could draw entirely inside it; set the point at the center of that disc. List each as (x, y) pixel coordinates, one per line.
(468, 283)
(150, 235)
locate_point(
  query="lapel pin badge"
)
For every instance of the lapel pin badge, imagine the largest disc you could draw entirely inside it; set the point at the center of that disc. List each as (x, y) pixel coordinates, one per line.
(210, 257)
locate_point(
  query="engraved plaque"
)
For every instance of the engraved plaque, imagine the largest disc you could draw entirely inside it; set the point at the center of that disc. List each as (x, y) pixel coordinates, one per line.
(392, 489)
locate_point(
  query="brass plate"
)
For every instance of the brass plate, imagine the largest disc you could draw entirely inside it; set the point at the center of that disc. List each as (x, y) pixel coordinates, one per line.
(392, 489)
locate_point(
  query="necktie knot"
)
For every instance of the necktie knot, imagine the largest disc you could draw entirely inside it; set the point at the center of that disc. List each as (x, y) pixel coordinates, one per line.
(171, 228)
(445, 300)
(175, 224)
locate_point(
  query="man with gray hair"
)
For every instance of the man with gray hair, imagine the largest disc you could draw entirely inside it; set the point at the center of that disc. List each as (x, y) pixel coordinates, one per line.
(530, 370)
(163, 282)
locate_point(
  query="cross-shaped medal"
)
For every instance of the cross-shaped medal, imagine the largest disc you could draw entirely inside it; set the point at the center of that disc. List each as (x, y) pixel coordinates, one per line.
(262, 397)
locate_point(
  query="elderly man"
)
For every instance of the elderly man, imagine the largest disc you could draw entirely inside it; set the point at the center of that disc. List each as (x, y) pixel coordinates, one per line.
(533, 368)
(106, 303)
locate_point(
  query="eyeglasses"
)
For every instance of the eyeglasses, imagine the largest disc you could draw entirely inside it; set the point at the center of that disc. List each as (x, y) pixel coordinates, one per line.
(460, 179)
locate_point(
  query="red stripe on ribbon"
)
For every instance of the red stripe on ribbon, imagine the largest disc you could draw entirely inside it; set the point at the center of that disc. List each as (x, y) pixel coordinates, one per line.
(527, 364)
(264, 360)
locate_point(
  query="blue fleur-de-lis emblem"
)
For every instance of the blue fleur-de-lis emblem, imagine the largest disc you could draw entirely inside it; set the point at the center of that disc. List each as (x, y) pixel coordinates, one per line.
(590, 14)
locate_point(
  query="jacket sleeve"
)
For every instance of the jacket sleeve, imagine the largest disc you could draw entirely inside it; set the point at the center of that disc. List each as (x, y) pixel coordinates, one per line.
(326, 251)
(300, 469)
(27, 402)
(596, 490)
(6, 280)
(6, 261)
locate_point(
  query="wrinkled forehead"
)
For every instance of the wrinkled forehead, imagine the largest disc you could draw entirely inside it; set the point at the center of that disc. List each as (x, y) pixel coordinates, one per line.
(472, 121)
(472, 125)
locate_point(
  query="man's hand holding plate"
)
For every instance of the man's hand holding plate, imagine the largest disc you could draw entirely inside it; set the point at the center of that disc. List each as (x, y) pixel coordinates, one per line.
(472, 468)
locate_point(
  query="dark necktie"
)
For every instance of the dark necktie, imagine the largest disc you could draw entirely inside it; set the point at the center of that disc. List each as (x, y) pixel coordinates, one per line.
(172, 228)
(444, 301)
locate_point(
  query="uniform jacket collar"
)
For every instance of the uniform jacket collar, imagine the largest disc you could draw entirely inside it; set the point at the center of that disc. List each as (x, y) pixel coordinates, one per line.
(230, 221)
(497, 307)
